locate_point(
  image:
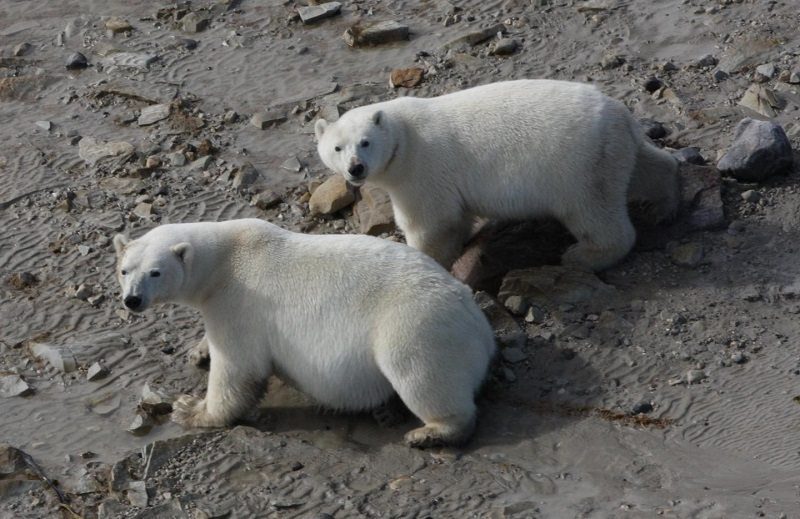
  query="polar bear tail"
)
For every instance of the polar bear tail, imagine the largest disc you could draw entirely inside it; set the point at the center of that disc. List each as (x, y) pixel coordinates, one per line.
(655, 180)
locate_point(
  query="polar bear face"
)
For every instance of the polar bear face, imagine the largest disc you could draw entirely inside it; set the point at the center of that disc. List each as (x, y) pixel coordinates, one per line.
(150, 271)
(357, 146)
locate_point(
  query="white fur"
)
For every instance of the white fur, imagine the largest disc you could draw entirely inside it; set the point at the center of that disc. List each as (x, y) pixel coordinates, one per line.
(347, 319)
(516, 149)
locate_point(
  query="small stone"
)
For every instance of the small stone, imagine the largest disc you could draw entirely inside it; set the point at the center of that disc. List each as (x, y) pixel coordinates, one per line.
(761, 100)
(96, 300)
(115, 24)
(22, 49)
(230, 117)
(706, 61)
(96, 372)
(667, 66)
(315, 13)
(194, 22)
(246, 175)
(505, 47)
(141, 424)
(93, 152)
(513, 354)
(262, 120)
(201, 164)
(687, 255)
(76, 60)
(478, 36)
(406, 77)
(374, 211)
(177, 159)
(760, 150)
(13, 385)
(143, 210)
(154, 113)
(376, 34)
(766, 70)
(516, 305)
(266, 200)
(44, 125)
(739, 358)
(610, 61)
(642, 407)
(652, 84)
(719, 75)
(653, 129)
(152, 162)
(689, 155)
(694, 376)
(509, 375)
(752, 196)
(675, 381)
(84, 250)
(60, 358)
(333, 195)
(22, 280)
(794, 77)
(296, 466)
(83, 292)
(535, 315)
(292, 164)
(137, 494)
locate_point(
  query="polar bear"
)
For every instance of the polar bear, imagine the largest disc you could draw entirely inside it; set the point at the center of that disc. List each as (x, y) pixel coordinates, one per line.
(349, 320)
(508, 150)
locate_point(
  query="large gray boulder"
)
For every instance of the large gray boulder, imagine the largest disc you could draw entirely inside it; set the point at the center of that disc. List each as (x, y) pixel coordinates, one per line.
(760, 149)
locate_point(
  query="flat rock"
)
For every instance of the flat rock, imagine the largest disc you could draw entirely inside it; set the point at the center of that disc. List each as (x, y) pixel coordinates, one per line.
(145, 91)
(376, 34)
(135, 60)
(406, 77)
(266, 200)
(92, 151)
(194, 22)
(374, 211)
(292, 164)
(315, 13)
(760, 150)
(143, 210)
(59, 357)
(761, 100)
(13, 385)
(245, 176)
(331, 196)
(264, 119)
(477, 36)
(153, 114)
(96, 372)
(551, 284)
(505, 47)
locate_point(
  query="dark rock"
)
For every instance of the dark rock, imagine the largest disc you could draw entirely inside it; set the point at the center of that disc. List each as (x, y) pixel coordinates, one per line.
(719, 75)
(652, 84)
(760, 150)
(642, 407)
(76, 60)
(653, 129)
(706, 61)
(690, 155)
(505, 47)
(266, 200)
(245, 176)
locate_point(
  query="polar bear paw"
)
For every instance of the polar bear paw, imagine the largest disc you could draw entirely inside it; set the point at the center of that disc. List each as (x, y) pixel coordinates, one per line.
(435, 436)
(190, 411)
(199, 356)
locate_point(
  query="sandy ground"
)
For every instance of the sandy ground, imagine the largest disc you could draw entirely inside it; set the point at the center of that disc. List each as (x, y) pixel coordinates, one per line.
(557, 436)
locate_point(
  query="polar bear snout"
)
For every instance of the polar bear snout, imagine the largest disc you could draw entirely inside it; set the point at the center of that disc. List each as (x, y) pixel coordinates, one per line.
(133, 302)
(357, 171)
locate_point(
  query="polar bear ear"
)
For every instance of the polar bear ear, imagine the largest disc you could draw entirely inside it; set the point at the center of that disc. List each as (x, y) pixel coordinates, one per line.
(319, 128)
(120, 241)
(183, 251)
(377, 117)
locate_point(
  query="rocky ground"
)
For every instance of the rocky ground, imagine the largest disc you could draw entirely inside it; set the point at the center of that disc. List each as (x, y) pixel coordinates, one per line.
(665, 386)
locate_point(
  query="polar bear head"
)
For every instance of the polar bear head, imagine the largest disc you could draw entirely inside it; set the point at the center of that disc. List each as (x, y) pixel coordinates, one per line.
(358, 146)
(152, 269)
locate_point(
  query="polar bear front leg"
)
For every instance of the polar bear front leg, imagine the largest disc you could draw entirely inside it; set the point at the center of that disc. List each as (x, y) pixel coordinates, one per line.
(234, 388)
(442, 242)
(199, 355)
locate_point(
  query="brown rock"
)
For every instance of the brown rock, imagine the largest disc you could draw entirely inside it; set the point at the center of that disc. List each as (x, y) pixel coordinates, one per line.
(374, 211)
(406, 77)
(334, 194)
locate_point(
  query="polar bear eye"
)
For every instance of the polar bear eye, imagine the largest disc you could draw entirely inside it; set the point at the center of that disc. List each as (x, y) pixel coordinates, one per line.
(364, 144)
(337, 148)
(154, 273)
(123, 272)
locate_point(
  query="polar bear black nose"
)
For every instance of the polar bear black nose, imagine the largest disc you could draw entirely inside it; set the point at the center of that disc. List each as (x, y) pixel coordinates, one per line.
(133, 302)
(356, 170)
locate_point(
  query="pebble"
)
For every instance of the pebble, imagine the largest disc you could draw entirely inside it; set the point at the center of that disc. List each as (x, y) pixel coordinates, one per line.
(83, 292)
(96, 372)
(376, 34)
(694, 376)
(115, 24)
(143, 210)
(152, 162)
(652, 84)
(154, 113)
(653, 129)
(505, 47)
(333, 195)
(752, 196)
(141, 424)
(766, 70)
(516, 305)
(739, 357)
(194, 22)
(96, 300)
(610, 61)
(176, 159)
(292, 164)
(794, 76)
(406, 77)
(44, 125)
(12, 385)
(246, 175)
(230, 117)
(266, 200)
(263, 119)
(76, 60)
(687, 255)
(690, 155)
(513, 354)
(22, 49)
(706, 61)
(508, 374)
(200, 164)
(535, 315)
(760, 149)
(719, 75)
(315, 13)
(642, 407)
